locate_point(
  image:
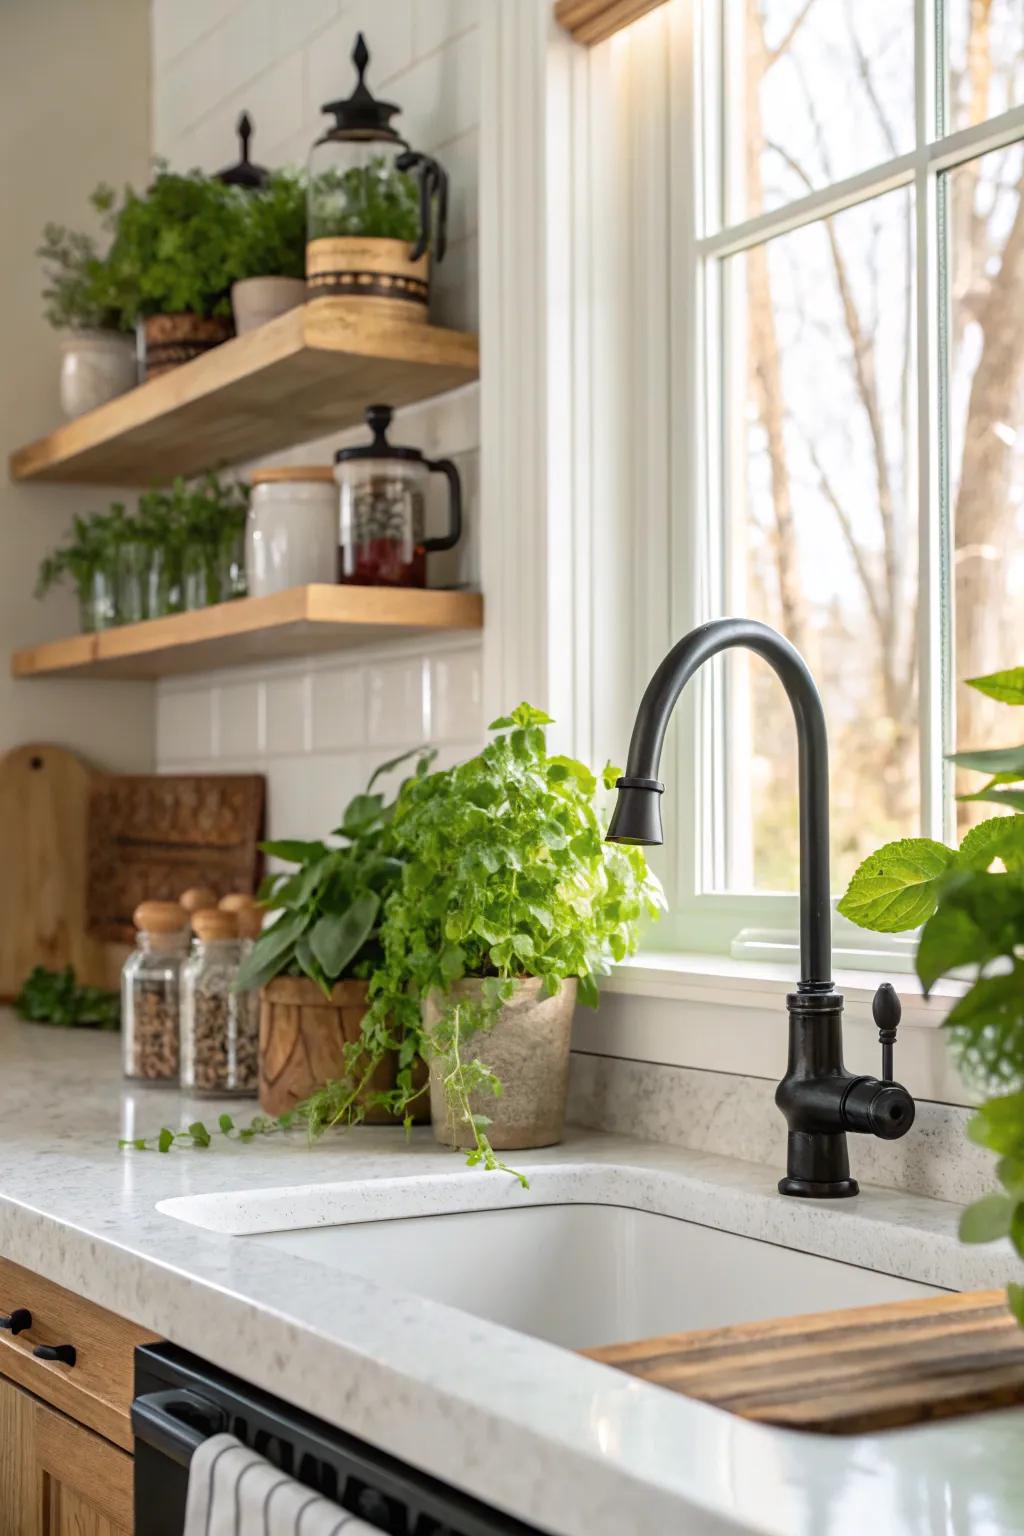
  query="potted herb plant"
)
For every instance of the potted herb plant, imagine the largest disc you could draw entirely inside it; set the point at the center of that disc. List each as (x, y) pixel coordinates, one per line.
(971, 903)
(171, 257)
(509, 907)
(268, 256)
(314, 963)
(194, 534)
(83, 303)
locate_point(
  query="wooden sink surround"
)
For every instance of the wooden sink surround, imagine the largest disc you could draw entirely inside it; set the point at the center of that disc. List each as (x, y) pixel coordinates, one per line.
(849, 1372)
(310, 372)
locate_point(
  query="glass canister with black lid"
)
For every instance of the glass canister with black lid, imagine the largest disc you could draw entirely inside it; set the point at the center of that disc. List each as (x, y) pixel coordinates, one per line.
(382, 506)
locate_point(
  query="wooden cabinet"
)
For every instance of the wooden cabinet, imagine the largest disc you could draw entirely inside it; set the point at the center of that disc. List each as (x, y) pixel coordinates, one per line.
(65, 1431)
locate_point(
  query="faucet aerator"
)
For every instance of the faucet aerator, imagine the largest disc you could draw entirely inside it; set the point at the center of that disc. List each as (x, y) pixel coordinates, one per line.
(637, 816)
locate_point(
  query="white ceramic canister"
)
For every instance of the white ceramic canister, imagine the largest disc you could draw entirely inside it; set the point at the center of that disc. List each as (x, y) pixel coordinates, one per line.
(292, 531)
(96, 366)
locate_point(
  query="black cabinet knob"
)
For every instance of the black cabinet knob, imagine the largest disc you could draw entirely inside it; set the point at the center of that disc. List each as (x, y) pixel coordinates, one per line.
(66, 1354)
(16, 1321)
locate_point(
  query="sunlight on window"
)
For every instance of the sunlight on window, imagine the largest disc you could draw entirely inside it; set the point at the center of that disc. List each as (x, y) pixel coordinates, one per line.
(985, 59)
(822, 533)
(986, 429)
(817, 90)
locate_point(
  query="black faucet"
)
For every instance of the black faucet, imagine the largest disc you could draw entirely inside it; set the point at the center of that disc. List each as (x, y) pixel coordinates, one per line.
(819, 1098)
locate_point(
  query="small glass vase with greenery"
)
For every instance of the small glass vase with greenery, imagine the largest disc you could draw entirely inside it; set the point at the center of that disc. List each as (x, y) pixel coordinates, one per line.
(970, 900)
(88, 559)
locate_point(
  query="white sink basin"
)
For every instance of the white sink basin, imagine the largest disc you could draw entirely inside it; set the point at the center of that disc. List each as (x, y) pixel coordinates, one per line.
(560, 1263)
(582, 1275)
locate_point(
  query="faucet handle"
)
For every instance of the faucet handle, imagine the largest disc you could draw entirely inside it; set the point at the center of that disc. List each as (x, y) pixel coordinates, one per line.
(887, 1010)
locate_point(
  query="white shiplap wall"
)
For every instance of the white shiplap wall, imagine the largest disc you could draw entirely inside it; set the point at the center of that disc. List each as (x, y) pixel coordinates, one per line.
(316, 728)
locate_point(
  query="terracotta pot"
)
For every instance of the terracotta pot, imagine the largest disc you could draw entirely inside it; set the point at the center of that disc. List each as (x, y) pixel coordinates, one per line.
(175, 339)
(255, 300)
(95, 367)
(302, 1045)
(527, 1047)
(373, 274)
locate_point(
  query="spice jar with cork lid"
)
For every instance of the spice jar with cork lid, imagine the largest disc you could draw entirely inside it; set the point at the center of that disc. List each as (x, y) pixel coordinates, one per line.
(197, 898)
(219, 1027)
(151, 993)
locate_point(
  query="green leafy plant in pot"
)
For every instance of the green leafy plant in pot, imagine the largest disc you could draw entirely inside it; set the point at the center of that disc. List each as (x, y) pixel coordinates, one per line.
(314, 963)
(84, 303)
(171, 258)
(510, 904)
(971, 902)
(268, 255)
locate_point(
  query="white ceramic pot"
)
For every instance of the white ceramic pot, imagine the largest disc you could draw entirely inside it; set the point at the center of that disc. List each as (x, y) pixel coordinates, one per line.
(291, 535)
(527, 1046)
(255, 300)
(95, 367)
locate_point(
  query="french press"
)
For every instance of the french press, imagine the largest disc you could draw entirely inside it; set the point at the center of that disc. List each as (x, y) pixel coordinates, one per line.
(383, 498)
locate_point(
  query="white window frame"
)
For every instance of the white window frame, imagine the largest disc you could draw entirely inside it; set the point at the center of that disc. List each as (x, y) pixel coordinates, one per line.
(549, 409)
(762, 926)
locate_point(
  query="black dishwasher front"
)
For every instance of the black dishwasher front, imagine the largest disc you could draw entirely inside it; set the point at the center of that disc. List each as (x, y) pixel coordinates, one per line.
(180, 1401)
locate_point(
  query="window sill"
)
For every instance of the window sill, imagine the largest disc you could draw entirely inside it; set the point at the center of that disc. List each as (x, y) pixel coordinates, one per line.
(728, 982)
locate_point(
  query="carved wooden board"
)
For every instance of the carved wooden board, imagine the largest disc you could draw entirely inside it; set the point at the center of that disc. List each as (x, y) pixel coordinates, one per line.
(151, 836)
(44, 810)
(848, 1372)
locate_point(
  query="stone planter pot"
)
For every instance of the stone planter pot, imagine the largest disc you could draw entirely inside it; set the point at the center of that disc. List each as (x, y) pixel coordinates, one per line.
(302, 1045)
(175, 339)
(528, 1048)
(255, 300)
(95, 367)
(375, 274)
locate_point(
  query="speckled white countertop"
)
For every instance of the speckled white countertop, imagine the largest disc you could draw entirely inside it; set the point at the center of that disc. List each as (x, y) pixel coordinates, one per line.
(572, 1446)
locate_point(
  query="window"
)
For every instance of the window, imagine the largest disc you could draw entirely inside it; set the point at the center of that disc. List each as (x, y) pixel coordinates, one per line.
(861, 282)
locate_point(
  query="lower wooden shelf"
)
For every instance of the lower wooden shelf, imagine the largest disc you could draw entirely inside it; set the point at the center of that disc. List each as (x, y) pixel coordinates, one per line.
(298, 622)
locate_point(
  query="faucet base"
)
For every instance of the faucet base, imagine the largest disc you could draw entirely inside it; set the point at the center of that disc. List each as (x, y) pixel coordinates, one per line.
(819, 1189)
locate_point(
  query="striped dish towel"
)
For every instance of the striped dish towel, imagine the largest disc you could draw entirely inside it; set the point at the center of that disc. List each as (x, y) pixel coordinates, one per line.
(234, 1492)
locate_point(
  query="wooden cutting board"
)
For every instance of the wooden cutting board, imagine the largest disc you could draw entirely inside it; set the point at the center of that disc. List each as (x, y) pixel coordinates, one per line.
(44, 810)
(845, 1373)
(151, 836)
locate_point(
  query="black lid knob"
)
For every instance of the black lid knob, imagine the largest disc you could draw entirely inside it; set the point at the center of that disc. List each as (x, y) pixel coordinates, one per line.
(16, 1321)
(63, 1354)
(887, 1010)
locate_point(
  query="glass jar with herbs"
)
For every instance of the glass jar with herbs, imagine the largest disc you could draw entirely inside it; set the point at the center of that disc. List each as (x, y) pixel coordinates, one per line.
(219, 1030)
(151, 993)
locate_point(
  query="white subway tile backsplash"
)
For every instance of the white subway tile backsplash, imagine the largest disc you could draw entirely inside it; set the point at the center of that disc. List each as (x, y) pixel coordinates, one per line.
(318, 727)
(240, 720)
(440, 93)
(184, 726)
(436, 22)
(397, 704)
(339, 709)
(288, 715)
(456, 696)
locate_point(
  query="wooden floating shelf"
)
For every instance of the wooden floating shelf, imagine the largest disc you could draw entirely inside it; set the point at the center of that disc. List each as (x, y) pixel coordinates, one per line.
(299, 622)
(310, 372)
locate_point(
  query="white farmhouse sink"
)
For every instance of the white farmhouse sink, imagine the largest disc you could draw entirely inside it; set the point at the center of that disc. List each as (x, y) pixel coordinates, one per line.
(554, 1263)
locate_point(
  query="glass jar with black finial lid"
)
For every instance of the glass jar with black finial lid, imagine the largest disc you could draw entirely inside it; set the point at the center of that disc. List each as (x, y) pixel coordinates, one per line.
(244, 173)
(377, 208)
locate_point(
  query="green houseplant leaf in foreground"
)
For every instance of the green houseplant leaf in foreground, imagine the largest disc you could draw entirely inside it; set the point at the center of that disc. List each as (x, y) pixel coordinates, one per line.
(971, 902)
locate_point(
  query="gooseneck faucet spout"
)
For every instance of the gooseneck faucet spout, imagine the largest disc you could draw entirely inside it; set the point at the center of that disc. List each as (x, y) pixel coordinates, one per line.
(820, 1099)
